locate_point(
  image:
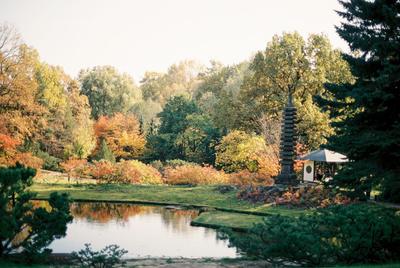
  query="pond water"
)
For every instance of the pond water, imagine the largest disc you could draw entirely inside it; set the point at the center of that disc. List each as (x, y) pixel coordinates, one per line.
(145, 231)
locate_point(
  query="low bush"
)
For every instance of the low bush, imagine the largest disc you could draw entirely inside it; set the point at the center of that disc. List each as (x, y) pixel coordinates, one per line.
(131, 171)
(304, 197)
(246, 177)
(103, 171)
(312, 197)
(108, 257)
(340, 234)
(134, 171)
(194, 175)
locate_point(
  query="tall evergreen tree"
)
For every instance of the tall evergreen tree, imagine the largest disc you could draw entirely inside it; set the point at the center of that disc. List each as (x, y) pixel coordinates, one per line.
(369, 129)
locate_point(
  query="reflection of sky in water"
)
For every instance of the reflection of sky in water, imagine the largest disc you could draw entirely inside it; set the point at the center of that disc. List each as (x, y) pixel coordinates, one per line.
(143, 231)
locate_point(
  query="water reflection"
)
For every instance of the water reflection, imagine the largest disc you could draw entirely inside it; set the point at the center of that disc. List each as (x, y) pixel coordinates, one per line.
(142, 230)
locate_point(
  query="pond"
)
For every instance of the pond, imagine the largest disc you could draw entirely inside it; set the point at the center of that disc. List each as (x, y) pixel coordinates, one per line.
(145, 231)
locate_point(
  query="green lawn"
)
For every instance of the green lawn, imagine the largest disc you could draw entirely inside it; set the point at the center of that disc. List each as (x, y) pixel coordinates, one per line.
(206, 196)
(231, 211)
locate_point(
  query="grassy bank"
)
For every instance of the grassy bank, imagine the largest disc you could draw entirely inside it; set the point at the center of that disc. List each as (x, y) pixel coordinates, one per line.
(231, 211)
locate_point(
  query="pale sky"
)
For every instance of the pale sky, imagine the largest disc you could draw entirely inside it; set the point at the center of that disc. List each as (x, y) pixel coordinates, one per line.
(150, 35)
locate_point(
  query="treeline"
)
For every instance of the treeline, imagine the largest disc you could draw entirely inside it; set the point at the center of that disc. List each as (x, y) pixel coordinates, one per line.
(192, 112)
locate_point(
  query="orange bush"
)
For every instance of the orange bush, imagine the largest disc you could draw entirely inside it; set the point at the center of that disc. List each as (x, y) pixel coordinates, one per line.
(134, 171)
(103, 171)
(193, 175)
(131, 171)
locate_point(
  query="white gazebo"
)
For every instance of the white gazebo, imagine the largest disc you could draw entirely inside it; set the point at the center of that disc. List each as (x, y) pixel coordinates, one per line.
(309, 171)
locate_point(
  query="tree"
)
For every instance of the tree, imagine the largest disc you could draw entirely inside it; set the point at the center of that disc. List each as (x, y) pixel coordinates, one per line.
(292, 64)
(218, 93)
(199, 139)
(241, 151)
(174, 122)
(23, 225)
(72, 166)
(20, 114)
(122, 135)
(369, 133)
(82, 140)
(104, 152)
(180, 79)
(108, 91)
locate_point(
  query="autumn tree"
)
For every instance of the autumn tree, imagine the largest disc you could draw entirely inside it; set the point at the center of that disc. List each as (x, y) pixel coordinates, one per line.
(80, 131)
(242, 151)
(20, 114)
(108, 91)
(122, 135)
(72, 166)
(292, 64)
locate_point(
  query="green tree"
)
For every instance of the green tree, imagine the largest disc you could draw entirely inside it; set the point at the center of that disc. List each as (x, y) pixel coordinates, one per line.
(218, 93)
(199, 139)
(23, 225)
(108, 91)
(370, 130)
(173, 122)
(104, 152)
(180, 79)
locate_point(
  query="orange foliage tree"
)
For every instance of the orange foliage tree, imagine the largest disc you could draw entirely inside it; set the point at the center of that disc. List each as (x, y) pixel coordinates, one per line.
(9, 154)
(73, 166)
(122, 135)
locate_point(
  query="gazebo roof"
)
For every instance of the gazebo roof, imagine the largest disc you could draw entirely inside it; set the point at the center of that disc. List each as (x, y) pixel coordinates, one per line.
(325, 155)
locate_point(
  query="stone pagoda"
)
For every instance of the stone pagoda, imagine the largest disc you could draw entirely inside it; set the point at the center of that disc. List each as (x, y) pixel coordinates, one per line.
(287, 175)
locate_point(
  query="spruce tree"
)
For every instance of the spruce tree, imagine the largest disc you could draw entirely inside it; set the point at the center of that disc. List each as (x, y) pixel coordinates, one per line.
(105, 152)
(368, 111)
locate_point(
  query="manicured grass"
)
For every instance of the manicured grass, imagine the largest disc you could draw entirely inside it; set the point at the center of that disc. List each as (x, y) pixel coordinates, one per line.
(216, 219)
(206, 196)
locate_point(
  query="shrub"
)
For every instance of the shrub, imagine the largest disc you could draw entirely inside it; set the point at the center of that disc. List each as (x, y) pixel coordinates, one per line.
(131, 171)
(193, 175)
(246, 177)
(311, 197)
(107, 257)
(134, 171)
(103, 171)
(357, 233)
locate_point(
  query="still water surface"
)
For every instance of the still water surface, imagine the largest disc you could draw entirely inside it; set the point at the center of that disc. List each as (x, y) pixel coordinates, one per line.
(145, 231)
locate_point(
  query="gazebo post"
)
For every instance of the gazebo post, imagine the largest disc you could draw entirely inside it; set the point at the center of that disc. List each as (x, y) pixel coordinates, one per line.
(287, 175)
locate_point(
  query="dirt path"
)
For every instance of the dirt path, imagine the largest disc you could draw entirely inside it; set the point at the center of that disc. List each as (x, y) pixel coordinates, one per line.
(195, 263)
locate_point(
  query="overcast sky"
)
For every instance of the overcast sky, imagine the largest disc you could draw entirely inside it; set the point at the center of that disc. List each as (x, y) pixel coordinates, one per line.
(137, 36)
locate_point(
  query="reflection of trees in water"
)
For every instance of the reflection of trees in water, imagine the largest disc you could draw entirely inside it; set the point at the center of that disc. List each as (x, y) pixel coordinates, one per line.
(178, 220)
(105, 212)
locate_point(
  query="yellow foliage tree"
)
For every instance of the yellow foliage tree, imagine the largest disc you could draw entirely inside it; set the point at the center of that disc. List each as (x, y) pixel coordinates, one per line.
(122, 135)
